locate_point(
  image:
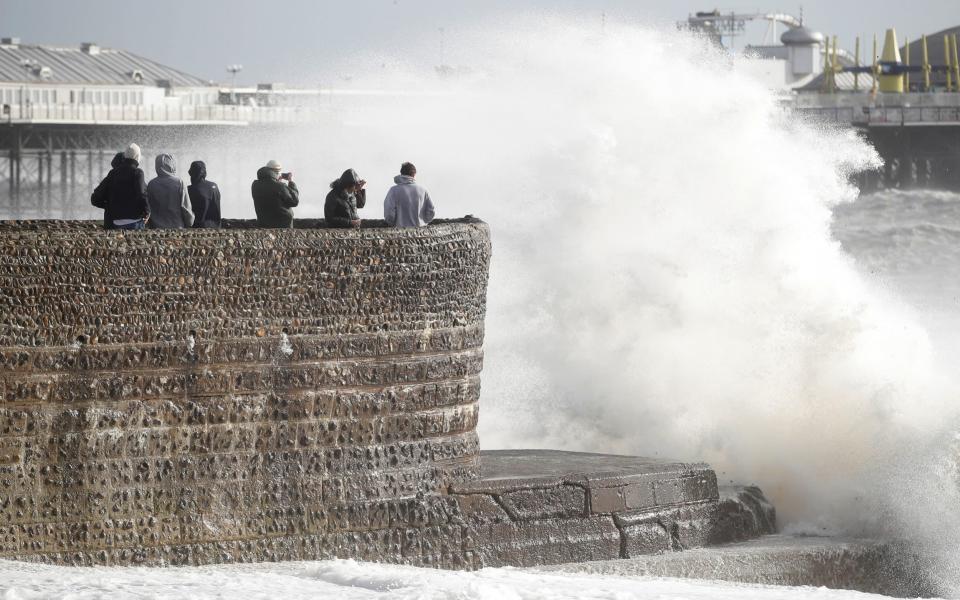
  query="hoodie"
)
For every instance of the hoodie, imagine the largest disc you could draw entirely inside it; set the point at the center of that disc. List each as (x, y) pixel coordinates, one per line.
(99, 196)
(204, 197)
(273, 200)
(167, 194)
(407, 204)
(126, 193)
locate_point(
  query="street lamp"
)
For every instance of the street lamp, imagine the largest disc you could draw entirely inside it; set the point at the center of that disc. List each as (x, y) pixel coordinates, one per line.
(28, 65)
(233, 70)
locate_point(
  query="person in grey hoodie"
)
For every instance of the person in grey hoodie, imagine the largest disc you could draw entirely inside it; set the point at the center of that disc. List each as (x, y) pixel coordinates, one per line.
(167, 194)
(408, 203)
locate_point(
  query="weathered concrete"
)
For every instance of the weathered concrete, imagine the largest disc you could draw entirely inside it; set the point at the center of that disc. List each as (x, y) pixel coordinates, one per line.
(858, 564)
(536, 507)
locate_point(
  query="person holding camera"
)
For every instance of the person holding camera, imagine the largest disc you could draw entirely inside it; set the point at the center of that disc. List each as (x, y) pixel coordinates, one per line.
(274, 196)
(347, 194)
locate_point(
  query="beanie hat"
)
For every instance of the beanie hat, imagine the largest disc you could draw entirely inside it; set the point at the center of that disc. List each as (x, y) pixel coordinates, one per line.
(132, 152)
(274, 165)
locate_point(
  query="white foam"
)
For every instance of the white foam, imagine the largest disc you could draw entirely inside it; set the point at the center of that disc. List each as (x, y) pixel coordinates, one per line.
(348, 580)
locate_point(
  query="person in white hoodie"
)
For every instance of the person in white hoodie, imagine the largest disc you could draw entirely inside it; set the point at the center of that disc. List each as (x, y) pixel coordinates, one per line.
(408, 203)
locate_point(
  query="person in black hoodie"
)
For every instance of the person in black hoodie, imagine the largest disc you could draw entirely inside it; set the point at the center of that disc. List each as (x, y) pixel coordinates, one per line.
(274, 196)
(204, 197)
(345, 197)
(126, 192)
(99, 196)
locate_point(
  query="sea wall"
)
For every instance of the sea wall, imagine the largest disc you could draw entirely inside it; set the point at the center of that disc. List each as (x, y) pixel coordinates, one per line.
(201, 396)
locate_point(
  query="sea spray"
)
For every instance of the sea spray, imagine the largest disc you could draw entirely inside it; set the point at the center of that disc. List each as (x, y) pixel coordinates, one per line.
(665, 281)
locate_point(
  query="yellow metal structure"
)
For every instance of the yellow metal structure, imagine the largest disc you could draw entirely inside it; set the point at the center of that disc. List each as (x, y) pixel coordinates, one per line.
(876, 66)
(947, 61)
(906, 61)
(891, 84)
(956, 64)
(828, 80)
(926, 64)
(835, 64)
(856, 59)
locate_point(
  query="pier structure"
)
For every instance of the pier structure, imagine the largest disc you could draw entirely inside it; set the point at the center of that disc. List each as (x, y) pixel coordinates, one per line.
(64, 112)
(917, 134)
(905, 102)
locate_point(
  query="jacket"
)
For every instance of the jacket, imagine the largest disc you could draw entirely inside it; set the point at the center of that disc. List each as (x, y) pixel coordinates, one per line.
(340, 208)
(407, 204)
(273, 200)
(204, 197)
(126, 192)
(169, 202)
(99, 196)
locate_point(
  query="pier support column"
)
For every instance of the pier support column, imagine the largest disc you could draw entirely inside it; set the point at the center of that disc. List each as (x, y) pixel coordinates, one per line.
(48, 200)
(906, 172)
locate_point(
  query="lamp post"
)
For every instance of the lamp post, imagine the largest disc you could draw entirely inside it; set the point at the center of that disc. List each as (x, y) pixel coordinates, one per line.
(28, 65)
(233, 70)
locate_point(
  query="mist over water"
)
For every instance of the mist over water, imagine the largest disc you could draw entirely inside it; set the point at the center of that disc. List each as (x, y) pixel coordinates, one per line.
(665, 278)
(668, 277)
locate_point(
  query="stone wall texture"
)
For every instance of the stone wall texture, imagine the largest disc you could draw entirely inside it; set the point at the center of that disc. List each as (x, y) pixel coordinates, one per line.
(201, 396)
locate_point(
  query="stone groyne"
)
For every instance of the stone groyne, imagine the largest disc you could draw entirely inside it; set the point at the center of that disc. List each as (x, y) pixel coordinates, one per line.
(204, 396)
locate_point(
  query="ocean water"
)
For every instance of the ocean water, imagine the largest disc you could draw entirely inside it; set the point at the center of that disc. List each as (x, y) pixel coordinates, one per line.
(348, 580)
(680, 269)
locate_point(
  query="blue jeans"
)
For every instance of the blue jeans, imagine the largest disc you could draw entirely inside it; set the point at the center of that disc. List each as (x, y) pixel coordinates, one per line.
(136, 225)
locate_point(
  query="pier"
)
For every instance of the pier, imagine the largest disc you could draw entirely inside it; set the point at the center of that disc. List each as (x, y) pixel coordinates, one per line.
(64, 112)
(916, 133)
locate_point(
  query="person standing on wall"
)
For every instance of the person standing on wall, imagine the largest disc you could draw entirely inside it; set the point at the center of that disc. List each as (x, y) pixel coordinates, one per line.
(169, 202)
(204, 197)
(274, 197)
(99, 196)
(346, 195)
(408, 203)
(126, 193)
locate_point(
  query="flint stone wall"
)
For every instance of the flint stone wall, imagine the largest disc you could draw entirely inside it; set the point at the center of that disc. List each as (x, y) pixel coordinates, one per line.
(201, 396)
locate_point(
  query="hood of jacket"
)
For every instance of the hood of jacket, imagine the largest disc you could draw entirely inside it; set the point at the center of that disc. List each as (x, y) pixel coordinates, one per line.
(117, 160)
(404, 180)
(197, 171)
(165, 165)
(267, 174)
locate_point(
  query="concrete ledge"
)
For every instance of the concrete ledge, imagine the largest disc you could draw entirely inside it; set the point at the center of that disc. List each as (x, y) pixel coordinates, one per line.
(534, 507)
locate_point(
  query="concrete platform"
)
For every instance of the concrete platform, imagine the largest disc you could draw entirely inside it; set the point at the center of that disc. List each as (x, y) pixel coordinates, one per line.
(539, 507)
(866, 565)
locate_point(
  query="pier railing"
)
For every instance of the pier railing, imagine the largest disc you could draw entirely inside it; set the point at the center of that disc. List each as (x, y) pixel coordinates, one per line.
(158, 114)
(878, 110)
(880, 116)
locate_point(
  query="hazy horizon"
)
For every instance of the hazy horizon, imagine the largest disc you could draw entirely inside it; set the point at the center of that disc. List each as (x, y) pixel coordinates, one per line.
(298, 41)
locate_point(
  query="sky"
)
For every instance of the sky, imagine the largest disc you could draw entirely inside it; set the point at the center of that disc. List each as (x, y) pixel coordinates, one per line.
(280, 41)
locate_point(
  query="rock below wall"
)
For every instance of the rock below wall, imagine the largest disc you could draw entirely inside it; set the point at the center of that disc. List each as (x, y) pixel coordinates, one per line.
(541, 507)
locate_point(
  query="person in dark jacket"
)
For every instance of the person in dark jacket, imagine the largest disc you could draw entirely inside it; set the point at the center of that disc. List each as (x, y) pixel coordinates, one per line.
(99, 196)
(126, 192)
(345, 197)
(274, 196)
(204, 197)
(169, 202)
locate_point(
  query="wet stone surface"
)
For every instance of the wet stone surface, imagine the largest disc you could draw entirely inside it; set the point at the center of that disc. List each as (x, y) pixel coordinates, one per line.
(542, 507)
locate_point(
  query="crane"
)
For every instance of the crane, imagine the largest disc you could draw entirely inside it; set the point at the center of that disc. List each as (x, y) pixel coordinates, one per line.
(717, 25)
